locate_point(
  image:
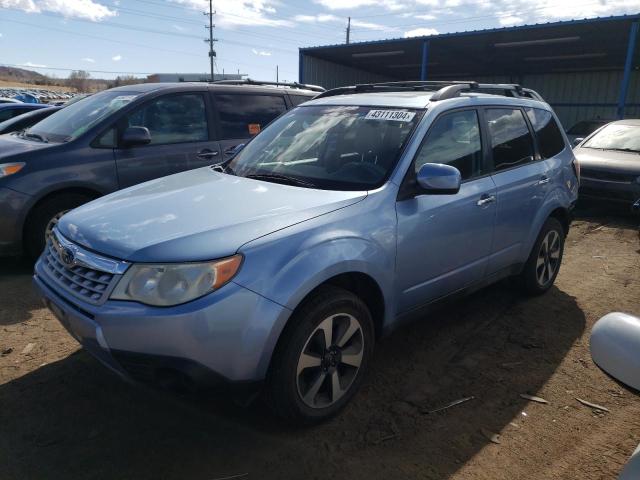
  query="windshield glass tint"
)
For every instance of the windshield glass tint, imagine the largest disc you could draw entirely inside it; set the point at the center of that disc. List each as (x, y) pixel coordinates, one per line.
(72, 121)
(330, 147)
(616, 137)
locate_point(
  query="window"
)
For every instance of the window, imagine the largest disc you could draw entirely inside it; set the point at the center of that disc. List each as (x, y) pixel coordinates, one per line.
(454, 139)
(107, 139)
(173, 119)
(298, 99)
(328, 147)
(8, 113)
(511, 141)
(550, 140)
(242, 116)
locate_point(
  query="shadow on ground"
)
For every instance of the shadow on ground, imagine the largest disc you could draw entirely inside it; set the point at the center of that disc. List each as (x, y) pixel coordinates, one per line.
(18, 298)
(71, 419)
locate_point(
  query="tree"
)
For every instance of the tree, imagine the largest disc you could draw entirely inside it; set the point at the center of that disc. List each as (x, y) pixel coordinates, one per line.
(79, 79)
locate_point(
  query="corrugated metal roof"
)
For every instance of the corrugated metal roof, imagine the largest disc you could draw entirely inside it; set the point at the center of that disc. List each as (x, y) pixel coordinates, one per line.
(634, 16)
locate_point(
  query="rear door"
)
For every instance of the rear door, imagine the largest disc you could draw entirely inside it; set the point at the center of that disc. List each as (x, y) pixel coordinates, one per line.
(181, 138)
(521, 179)
(240, 116)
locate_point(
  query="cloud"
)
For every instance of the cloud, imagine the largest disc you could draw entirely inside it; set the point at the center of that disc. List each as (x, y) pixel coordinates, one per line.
(240, 12)
(33, 65)
(510, 20)
(87, 9)
(116, 58)
(392, 5)
(0, 35)
(420, 32)
(178, 28)
(87, 59)
(261, 53)
(425, 17)
(326, 17)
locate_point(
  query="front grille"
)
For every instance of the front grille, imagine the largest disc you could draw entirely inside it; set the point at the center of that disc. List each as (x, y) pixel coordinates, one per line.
(607, 176)
(86, 283)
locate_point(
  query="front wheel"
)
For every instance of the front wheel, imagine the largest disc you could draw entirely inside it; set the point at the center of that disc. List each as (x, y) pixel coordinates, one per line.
(543, 264)
(322, 357)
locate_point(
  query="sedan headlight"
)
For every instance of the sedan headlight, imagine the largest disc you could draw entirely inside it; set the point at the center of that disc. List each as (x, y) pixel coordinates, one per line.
(172, 284)
(7, 169)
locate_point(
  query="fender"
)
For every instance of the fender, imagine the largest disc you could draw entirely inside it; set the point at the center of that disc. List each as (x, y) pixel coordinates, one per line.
(556, 198)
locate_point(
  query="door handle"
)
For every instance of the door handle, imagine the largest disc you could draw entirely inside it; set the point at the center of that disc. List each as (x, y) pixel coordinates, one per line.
(486, 200)
(207, 154)
(544, 180)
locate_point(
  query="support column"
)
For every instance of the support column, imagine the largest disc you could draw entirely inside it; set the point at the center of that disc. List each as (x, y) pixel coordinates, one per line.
(300, 67)
(626, 77)
(425, 58)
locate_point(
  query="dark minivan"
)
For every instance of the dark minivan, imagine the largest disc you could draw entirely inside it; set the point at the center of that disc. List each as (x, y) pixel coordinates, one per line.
(121, 137)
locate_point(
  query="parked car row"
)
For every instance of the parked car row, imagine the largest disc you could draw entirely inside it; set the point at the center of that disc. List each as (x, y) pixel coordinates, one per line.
(33, 95)
(277, 266)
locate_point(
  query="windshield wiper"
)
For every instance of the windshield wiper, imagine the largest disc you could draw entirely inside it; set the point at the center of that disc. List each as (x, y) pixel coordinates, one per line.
(275, 177)
(37, 136)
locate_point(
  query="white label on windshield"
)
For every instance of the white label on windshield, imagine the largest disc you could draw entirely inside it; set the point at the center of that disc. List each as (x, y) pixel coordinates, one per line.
(124, 98)
(393, 115)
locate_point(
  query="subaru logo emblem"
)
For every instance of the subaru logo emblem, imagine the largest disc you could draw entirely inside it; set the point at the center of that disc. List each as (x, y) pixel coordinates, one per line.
(67, 256)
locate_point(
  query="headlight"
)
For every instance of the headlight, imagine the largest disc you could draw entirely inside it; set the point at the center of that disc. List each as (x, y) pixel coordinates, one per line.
(173, 284)
(7, 169)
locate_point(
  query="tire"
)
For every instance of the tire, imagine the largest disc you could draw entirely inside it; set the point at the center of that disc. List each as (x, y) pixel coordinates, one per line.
(306, 396)
(544, 261)
(45, 216)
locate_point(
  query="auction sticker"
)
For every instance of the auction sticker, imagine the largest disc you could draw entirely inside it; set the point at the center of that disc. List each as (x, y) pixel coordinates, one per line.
(393, 115)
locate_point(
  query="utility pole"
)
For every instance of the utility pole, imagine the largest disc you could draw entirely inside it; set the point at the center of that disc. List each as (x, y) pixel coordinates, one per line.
(277, 75)
(348, 29)
(211, 40)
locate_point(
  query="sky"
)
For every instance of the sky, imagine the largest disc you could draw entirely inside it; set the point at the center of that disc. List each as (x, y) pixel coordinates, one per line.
(140, 37)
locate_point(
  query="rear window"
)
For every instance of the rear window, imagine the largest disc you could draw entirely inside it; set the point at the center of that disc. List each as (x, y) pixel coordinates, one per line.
(550, 140)
(243, 116)
(298, 99)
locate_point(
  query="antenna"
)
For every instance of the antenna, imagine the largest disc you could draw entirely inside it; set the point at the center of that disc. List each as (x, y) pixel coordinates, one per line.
(211, 40)
(348, 29)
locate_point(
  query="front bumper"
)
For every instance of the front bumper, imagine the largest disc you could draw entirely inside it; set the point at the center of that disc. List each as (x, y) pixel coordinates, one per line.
(226, 337)
(13, 209)
(612, 191)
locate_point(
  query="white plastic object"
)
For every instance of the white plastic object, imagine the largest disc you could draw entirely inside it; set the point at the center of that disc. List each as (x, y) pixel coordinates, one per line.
(615, 347)
(631, 470)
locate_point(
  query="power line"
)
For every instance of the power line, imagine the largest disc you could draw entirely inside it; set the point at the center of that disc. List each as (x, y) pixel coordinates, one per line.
(44, 67)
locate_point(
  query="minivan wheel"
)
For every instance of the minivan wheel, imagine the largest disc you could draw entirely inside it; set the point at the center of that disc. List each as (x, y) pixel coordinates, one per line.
(322, 357)
(46, 216)
(543, 264)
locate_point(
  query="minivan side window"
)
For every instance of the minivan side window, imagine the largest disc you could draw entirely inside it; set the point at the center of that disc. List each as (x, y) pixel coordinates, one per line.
(550, 140)
(173, 119)
(242, 116)
(511, 141)
(453, 139)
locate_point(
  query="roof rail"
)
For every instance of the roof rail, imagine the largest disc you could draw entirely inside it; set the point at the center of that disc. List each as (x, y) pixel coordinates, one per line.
(443, 89)
(249, 81)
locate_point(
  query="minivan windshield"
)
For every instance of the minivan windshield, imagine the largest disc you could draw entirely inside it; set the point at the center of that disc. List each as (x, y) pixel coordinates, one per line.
(72, 121)
(616, 136)
(328, 147)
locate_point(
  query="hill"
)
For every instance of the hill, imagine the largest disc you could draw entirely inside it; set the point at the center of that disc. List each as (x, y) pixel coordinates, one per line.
(13, 74)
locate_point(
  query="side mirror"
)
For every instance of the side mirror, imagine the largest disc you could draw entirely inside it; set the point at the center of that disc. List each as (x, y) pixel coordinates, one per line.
(437, 178)
(577, 141)
(135, 137)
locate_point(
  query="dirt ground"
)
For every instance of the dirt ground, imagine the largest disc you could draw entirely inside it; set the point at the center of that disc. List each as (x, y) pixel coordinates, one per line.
(63, 416)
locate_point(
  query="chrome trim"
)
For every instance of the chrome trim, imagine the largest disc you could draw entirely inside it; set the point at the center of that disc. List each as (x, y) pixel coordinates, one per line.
(84, 258)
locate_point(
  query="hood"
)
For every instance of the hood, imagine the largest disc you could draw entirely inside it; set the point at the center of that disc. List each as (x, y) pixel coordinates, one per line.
(11, 145)
(609, 160)
(196, 215)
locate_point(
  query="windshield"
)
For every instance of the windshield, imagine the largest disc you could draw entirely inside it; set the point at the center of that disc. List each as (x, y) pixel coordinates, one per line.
(616, 137)
(585, 127)
(328, 147)
(73, 120)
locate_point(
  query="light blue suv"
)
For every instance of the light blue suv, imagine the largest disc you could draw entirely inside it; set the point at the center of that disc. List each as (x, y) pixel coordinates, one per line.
(347, 215)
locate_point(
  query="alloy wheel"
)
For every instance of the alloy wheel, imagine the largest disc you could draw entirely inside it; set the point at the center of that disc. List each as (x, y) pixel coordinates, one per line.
(548, 258)
(330, 360)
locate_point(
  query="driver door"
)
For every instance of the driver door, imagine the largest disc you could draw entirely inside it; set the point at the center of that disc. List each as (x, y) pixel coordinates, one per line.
(444, 241)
